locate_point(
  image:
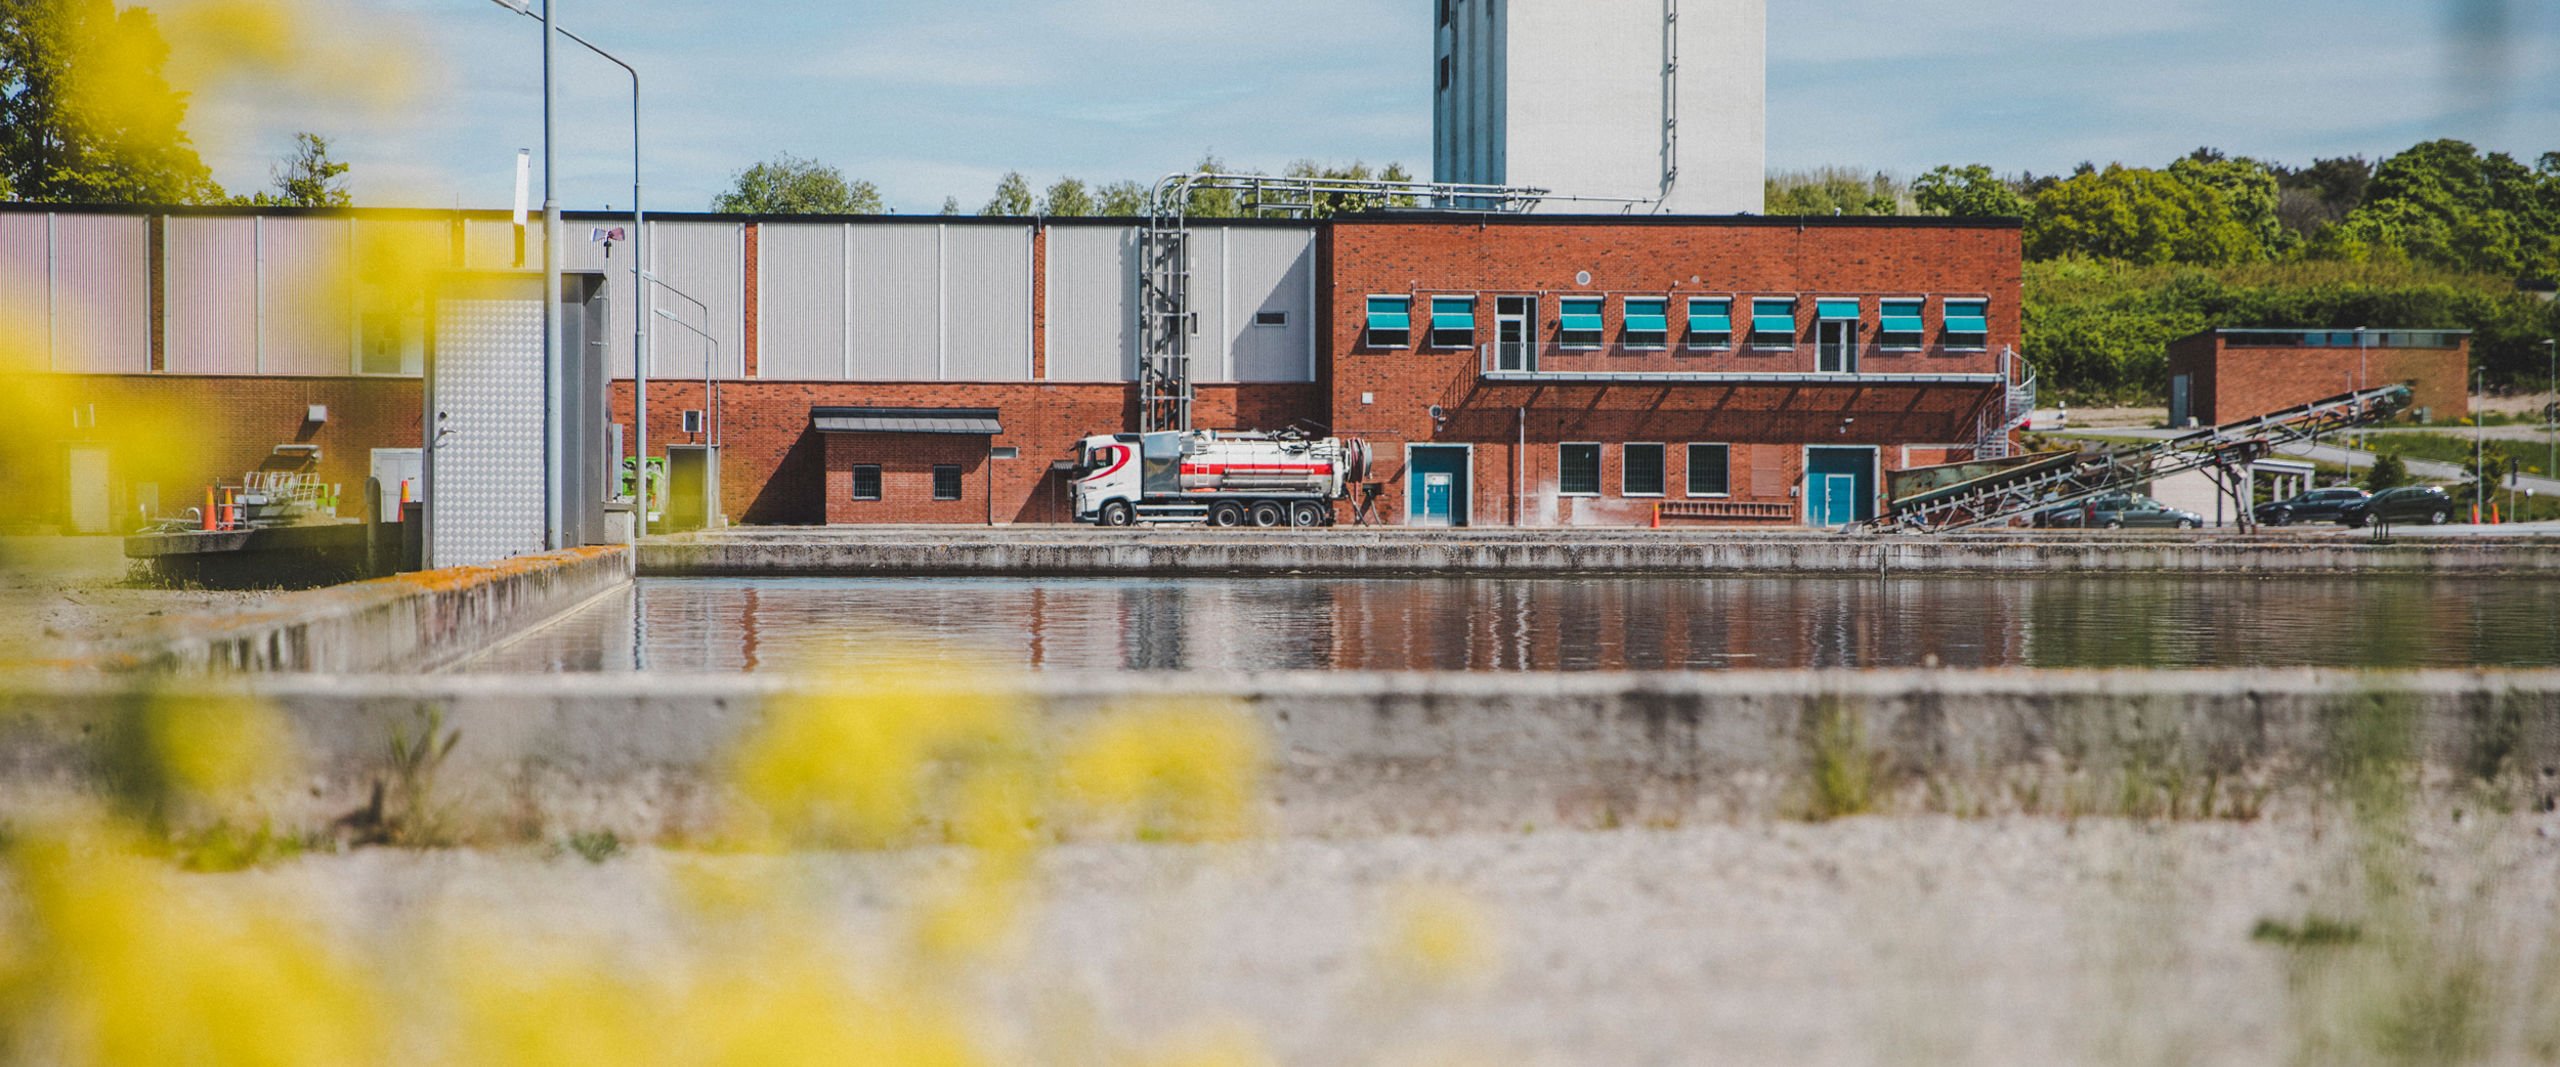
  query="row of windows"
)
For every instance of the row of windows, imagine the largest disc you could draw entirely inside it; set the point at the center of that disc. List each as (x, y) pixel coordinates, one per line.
(946, 481)
(1646, 321)
(1640, 470)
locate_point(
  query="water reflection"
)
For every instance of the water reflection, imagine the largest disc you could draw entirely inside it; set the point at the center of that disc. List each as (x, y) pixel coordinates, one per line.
(731, 625)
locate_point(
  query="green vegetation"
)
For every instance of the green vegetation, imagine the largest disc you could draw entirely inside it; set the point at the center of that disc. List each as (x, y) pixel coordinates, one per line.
(790, 185)
(2316, 931)
(1844, 768)
(2388, 471)
(1837, 191)
(87, 115)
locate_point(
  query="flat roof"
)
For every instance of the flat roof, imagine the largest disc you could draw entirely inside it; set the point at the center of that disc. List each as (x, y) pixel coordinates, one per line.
(1420, 217)
(2333, 337)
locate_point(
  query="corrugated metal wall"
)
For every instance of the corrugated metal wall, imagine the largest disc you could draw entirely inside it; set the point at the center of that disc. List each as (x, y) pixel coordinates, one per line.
(306, 318)
(986, 305)
(212, 296)
(704, 260)
(897, 302)
(583, 252)
(395, 262)
(1269, 270)
(1093, 299)
(801, 269)
(101, 294)
(26, 286)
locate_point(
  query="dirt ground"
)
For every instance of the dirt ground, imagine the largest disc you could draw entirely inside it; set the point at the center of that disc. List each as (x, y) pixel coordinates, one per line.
(1879, 940)
(66, 593)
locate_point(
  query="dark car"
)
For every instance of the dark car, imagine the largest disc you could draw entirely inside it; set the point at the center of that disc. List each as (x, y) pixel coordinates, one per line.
(2118, 510)
(2408, 503)
(2318, 505)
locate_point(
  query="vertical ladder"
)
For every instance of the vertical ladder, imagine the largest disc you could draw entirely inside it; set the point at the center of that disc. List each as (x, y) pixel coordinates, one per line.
(1165, 322)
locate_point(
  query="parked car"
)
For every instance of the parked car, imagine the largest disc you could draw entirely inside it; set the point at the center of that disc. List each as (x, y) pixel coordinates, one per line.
(2119, 510)
(2315, 506)
(2408, 503)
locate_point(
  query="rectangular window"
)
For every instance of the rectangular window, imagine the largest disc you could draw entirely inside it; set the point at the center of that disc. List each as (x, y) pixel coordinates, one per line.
(1710, 470)
(946, 481)
(1578, 470)
(1453, 321)
(1444, 74)
(1578, 322)
(1968, 324)
(1641, 473)
(1710, 323)
(1390, 321)
(1271, 318)
(1899, 328)
(866, 481)
(1648, 322)
(1773, 322)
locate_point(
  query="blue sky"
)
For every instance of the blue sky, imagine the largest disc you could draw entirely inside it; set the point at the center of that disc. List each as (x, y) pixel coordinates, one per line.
(935, 99)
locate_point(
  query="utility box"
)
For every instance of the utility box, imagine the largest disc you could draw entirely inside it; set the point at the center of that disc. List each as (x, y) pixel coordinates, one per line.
(693, 488)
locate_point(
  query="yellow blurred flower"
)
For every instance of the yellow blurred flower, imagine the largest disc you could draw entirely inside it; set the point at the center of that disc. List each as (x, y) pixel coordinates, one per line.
(1436, 937)
(857, 763)
(1177, 771)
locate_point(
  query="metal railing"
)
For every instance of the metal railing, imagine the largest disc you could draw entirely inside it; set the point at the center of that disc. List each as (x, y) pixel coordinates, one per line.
(1552, 361)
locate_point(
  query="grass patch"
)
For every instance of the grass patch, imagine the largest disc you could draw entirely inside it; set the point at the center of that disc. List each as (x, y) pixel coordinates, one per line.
(2315, 931)
(1844, 770)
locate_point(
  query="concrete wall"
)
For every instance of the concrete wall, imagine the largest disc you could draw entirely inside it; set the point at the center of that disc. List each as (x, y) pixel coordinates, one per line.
(1362, 753)
(412, 622)
(1573, 96)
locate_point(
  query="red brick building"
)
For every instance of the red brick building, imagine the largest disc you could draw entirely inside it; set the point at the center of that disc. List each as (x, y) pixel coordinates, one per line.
(2219, 376)
(1552, 370)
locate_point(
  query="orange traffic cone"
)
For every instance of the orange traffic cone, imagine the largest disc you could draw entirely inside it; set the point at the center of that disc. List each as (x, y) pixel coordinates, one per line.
(212, 516)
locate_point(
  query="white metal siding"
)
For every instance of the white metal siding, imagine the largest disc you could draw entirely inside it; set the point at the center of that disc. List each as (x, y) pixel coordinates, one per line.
(703, 260)
(305, 271)
(1093, 296)
(102, 294)
(896, 287)
(1270, 270)
(1209, 304)
(212, 296)
(490, 244)
(584, 252)
(396, 262)
(986, 305)
(802, 271)
(26, 253)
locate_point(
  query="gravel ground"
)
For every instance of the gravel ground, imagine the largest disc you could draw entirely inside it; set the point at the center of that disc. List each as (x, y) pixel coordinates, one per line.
(1863, 941)
(64, 593)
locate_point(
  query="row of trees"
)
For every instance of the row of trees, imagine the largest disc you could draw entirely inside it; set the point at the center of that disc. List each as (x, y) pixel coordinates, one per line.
(790, 185)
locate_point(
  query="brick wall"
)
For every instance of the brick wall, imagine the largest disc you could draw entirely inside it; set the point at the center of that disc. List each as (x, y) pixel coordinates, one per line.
(1384, 396)
(2235, 382)
(180, 433)
(775, 470)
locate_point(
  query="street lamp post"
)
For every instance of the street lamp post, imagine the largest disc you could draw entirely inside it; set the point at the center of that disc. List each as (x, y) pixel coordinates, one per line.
(2551, 414)
(639, 257)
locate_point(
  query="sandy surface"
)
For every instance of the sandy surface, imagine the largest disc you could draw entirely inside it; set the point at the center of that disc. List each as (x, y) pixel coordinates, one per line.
(62, 593)
(1865, 941)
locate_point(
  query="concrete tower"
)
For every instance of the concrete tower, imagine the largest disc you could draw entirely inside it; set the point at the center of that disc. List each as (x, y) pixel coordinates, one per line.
(1661, 100)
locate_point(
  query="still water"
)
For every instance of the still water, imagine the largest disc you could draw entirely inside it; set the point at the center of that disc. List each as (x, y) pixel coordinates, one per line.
(1487, 624)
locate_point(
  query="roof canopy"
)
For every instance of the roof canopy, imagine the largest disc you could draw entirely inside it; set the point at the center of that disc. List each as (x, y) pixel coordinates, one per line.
(975, 421)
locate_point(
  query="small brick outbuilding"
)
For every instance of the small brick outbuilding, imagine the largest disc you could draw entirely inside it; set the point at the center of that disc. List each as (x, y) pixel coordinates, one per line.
(2220, 376)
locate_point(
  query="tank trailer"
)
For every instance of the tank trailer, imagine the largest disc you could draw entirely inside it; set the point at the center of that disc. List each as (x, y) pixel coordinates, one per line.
(1221, 478)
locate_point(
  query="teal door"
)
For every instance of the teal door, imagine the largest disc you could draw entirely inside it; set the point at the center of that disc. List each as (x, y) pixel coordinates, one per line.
(1436, 486)
(1839, 485)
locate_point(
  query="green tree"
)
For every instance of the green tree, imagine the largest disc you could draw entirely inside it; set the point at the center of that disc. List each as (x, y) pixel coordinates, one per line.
(308, 177)
(1013, 196)
(1121, 199)
(2388, 471)
(2138, 216)
(790, 185)
(1067, 198)
(2321, 195)
(1970, 192)
(2246, 187)
(951, 206)
(1833, 191)
(2444, 202)
(86, 111)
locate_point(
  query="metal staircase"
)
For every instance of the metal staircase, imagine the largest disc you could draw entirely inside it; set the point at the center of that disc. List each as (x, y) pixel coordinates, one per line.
(1166, 321)
(2066, 478)
(1999, 419)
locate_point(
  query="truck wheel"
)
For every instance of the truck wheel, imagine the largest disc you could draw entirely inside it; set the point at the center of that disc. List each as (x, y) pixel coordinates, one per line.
(1306, 513)
(1118, 513)
(1267, 514)
(1226, 513)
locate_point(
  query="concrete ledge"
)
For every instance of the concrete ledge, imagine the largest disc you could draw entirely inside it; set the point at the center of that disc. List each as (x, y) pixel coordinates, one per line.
(1079, 552)
(1356, 753)
(409, 622)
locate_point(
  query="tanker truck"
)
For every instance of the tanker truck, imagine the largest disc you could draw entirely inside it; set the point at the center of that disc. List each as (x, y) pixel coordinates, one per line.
(1220, 478)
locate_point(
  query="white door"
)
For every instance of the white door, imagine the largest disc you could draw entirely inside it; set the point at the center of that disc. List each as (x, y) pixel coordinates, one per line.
(88, 470)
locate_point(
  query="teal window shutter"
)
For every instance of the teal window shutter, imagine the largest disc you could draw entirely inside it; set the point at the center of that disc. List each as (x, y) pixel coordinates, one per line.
(1830, 308)
(1580, 314)
(1390, 313)
(1456, 314)
(1902, 316)
(1648, 315)
(1774, 318)
(1968, 317)
(1710, 315)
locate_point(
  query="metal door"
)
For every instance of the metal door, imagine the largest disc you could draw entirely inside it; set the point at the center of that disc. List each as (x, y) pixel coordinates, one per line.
(88, 470)
(1839, 485)
(1436, 489)
(485, 451)
(1436, 477)
(1836, 346)
(1515, 321)
(1839, 499)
